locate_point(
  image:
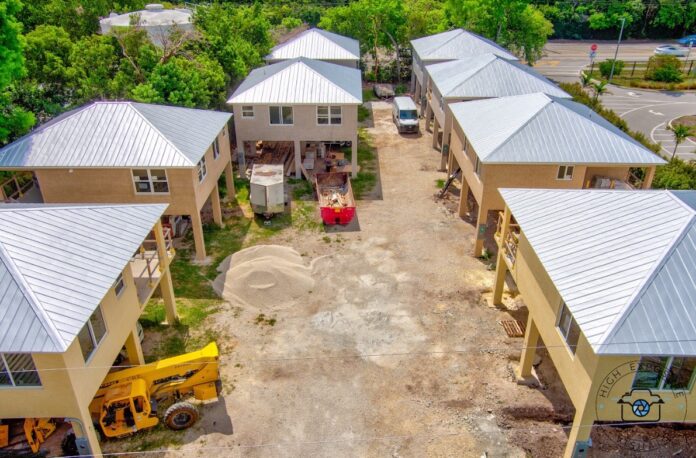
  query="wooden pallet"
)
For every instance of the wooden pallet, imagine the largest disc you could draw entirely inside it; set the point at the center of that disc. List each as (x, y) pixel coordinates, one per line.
(513, 328)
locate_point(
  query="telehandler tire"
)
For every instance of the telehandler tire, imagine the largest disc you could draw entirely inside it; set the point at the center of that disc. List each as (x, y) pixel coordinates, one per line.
(180, 416)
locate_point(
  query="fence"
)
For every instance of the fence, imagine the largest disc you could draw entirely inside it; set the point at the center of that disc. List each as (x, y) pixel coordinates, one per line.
(638, 68)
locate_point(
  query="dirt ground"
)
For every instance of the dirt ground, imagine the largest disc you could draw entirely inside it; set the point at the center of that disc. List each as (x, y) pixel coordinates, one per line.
(393, 353)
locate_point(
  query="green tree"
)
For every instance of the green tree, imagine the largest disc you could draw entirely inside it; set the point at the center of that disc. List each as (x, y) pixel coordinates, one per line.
(199, 82)
(93, 65)
(680, 132)
(515, 24)
(599, 88)
(77, 17)
(610, 16)
(424, 17)
(676, 15)
(237, 36)
(47, 51)
(14, 120)
(377, 24)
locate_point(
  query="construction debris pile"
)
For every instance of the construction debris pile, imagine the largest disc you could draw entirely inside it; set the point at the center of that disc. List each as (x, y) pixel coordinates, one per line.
(263, 276)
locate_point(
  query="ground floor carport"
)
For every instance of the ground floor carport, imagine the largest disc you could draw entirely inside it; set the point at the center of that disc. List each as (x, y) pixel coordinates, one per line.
(306, 155)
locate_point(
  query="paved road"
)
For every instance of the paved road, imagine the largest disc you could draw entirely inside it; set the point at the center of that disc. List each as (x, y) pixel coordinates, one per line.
(649, 112)
(563, 59)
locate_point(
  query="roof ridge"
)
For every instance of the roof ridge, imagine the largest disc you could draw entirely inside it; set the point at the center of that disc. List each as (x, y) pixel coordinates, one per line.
(659, 264)
(521, 126)
(159, 132)
(491, 59)
(18, 277)
(458, 29)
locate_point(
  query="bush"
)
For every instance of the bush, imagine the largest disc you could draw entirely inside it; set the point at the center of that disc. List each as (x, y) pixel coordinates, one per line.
(675, 175)
(605, 67)
(664, 68)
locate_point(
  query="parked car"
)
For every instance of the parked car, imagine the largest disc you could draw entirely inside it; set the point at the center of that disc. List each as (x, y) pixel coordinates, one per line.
(671, 50)
(687, 40)
(405, 114)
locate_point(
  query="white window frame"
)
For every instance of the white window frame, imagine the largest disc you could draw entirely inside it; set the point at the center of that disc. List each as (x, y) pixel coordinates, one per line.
(202, 169)
(13, 384)
(216, 148)
(150, 182)
(663, 377)
(565, 176)
(329, 116)
(92, 335)
(566, 332)
(282, 122)
(246, 109)
(119, 285)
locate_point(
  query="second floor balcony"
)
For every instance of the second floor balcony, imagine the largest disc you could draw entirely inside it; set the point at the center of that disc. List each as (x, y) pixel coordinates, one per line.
(507, 242)
(146, 264)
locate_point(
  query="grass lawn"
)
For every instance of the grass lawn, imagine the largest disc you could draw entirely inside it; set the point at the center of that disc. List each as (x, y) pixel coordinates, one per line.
(366, 180)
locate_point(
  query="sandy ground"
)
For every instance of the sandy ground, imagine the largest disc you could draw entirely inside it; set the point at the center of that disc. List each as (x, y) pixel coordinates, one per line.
(393, 353)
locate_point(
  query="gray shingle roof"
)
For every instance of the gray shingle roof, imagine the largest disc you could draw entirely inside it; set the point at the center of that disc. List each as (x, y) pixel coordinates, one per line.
(623, 262)
(301, 81)
(118, 134)
(456, 44)
(542, 129)
(488, 75)
(317, 44)
(56, 264)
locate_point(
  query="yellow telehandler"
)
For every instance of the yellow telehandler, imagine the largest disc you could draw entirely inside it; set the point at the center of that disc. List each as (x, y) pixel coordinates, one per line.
(127, 400)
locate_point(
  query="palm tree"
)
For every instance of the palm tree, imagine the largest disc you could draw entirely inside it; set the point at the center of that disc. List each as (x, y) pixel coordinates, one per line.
(599, 88)
(680, 132)
(585, 79)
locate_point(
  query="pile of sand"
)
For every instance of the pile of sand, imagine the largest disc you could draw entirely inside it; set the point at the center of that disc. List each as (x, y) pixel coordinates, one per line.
(263, 276)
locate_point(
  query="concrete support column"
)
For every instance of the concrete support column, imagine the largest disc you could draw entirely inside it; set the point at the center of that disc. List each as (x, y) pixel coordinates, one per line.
(531, 340)
(463, 197)
(217, 208)
(452, 163)
(198, 239)
(447, 128)
(85, 434)
(354, 157)
(298, 159)
(580, 431)
(501, 270)
(649, 176)
(133, 348)
(436, 132)
(481, 228)
(229, 181)
(241, 160)
(428, 113)
(167, 292)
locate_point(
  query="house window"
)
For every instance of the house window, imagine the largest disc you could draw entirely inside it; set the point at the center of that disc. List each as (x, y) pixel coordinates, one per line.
(568, 328)
(202, 169)
(665, 373)
(477, 166)
(216, 149)
(150, 181)
(247, 111)
(281, 115)
(328, 115)
(119, 285)
(92, 334)
(17, 369)
(565, 172)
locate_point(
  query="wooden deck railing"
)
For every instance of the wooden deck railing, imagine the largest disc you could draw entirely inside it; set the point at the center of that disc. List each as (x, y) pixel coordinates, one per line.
(15, 187)
(512, 239)
(148, 253)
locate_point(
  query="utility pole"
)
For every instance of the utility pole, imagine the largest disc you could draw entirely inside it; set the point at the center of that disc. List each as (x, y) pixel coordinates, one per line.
(616, 53)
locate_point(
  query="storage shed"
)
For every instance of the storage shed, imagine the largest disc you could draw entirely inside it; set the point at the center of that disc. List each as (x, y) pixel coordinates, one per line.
(267, 189)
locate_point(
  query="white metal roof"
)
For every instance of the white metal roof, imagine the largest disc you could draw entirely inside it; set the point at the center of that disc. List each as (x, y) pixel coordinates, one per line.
(56, 264)
(301, 81)
(488, 75)
(456, 44)
(152, 17)
(623, 261)
(542, 129)
(118, 134)
(317, 44)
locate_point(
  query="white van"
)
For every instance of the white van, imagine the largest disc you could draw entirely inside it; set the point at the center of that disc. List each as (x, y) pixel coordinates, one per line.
(405, 115)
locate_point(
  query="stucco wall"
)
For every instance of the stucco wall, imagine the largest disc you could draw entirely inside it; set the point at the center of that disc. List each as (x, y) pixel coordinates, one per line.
(115, 185)
(593, 382)
(63, 392)
(304, 127)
